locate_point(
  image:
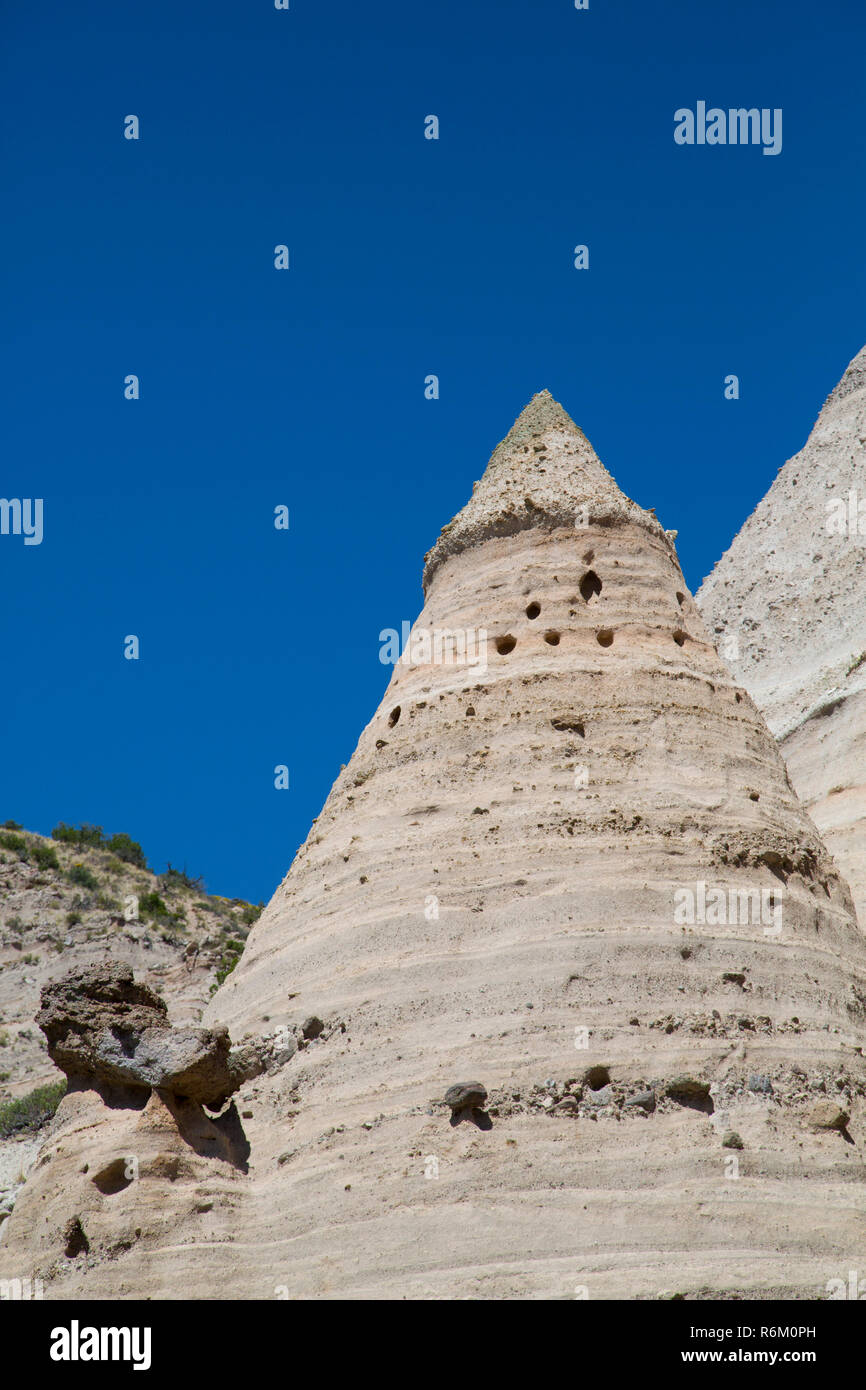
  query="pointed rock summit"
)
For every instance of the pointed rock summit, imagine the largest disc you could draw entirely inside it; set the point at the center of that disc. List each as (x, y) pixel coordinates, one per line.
(787, 602)
(545, 473)
(565, 861)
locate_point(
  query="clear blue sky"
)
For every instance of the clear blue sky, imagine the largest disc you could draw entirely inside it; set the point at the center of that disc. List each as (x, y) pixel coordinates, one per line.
(305, 387)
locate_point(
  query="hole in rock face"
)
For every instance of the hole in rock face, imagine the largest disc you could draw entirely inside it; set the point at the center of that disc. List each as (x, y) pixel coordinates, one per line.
(604, 637)
(393, 716)
(738, 697)
(590, 586)
(533, 610)
(76, 1240)
(470, 710)
(679, 637)
(112, 1178)
(588, 557)
(596, 1077)
(506, 644)
(552, 639)
(564, 724)
(681, 598)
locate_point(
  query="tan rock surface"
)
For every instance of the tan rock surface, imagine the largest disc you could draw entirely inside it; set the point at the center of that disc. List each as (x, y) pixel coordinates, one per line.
(791, 593)
(494, 891)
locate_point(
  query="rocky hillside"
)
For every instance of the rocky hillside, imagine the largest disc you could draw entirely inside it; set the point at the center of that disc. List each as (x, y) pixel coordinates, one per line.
(81, 898)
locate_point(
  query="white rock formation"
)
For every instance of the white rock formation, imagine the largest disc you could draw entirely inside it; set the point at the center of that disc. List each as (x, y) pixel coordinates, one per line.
(497, 891)
(787, 601)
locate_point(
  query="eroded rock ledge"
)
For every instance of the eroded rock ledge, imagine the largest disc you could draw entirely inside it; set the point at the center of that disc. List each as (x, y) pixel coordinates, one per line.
(106, 1031)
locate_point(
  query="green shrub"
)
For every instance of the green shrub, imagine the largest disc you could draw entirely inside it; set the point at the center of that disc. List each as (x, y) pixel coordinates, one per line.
(12, 825)
(30, 959)
(179, 878)
(80, 835)
(31, 1112)
(127, 849)
(122, 846)
(83, 877)
(72, 919)
(16, 843)
(228, 960)
(151, 906)
(46, 857)
(251, 914)
(4, 1038)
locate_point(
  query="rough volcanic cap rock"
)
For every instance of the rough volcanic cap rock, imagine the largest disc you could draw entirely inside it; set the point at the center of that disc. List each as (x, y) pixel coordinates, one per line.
(102, 1028)
(465, 1095)
(787, 605)
(545, 473)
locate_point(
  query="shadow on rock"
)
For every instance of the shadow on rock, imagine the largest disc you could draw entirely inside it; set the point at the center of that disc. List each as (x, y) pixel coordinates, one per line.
(691, 1093)
(222, 1137)
(115, 1095)
(474, 1114)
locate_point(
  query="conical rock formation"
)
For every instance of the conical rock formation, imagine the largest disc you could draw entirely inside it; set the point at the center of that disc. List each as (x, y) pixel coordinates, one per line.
(787, 603)
(571, 873)
(544, 473)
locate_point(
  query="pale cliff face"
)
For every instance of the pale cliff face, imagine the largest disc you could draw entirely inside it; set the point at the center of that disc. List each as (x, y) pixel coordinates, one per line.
(791, 592)
(497, 889)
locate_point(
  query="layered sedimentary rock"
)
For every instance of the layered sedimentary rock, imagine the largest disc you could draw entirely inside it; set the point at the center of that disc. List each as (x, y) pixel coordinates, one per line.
(787, 604)
(573, 872)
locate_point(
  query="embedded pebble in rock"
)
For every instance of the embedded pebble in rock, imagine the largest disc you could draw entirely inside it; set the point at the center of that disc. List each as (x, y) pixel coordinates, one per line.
(616, 763)
(605, 1096)
(464, 1095)
(761, 1085)
(826, 1114)
(644, 1100)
